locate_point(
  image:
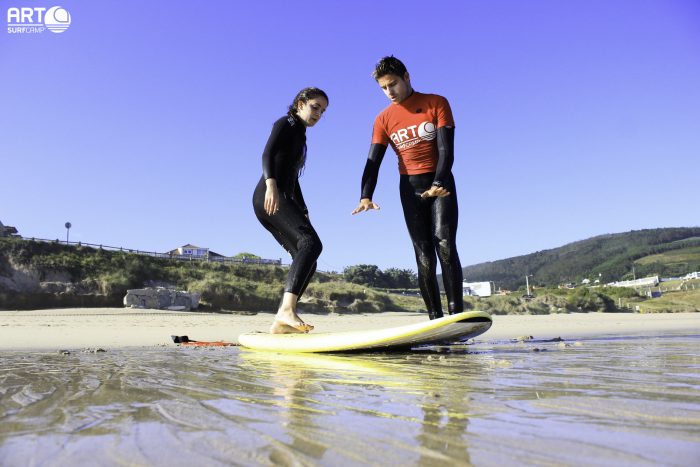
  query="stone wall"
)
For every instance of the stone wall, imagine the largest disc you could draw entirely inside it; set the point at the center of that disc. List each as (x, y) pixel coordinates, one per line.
(161, 299)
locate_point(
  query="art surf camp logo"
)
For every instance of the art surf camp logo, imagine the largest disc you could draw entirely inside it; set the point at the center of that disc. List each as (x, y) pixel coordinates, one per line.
(36, 20)
(414, 134)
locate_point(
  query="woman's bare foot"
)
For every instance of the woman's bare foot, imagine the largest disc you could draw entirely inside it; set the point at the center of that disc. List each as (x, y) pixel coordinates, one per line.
(288, 322)
(281, 328)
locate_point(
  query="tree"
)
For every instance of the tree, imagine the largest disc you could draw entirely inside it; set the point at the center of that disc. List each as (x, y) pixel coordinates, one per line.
(246, 255)
(400, 278)
(366, 274)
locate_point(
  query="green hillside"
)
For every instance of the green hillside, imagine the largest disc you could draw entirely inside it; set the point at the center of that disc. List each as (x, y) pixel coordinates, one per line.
(681, 259)
(36, 274)
(41, 275)
(664, 252)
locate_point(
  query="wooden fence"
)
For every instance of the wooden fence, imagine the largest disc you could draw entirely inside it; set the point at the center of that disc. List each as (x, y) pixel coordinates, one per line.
(207, 258)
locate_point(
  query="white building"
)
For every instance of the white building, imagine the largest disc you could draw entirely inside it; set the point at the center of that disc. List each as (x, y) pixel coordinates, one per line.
(479, 289)
(7, 231)
(193, 251)
(651, 281)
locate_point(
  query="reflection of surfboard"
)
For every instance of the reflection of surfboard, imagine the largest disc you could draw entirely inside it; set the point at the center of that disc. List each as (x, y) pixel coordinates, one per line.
(340, 366)
(451, 328)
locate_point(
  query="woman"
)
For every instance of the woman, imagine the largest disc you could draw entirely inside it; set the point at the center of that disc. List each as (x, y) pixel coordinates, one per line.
(279, 204)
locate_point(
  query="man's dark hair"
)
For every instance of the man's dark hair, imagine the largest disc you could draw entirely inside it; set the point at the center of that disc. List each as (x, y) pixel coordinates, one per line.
(389, 66)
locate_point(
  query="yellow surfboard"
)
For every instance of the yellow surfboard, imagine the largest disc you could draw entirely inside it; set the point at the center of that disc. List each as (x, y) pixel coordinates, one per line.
(459, 327)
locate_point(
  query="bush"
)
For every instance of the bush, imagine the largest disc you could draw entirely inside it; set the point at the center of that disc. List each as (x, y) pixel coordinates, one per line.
(366, 306)
(586, 300)
(114, 283)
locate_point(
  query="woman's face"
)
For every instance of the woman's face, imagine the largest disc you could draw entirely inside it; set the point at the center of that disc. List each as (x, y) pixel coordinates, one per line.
(310, 112)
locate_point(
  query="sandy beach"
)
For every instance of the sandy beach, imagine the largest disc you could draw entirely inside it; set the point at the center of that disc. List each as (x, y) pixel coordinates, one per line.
(120, 327)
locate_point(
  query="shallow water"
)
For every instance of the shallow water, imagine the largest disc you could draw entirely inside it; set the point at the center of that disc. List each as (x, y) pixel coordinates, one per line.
(625, 401)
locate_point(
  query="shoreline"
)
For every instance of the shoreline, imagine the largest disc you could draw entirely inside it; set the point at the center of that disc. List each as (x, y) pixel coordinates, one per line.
(77, 328)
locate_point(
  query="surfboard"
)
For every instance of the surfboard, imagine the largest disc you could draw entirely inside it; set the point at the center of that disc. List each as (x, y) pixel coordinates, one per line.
(452, 328)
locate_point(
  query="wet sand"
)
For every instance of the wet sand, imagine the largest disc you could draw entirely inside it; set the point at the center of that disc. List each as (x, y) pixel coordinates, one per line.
(618, 401)
(620, 389)
(119, 327)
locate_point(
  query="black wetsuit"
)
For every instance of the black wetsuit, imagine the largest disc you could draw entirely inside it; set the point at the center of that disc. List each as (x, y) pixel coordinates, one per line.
(432, 223)
(283, 158)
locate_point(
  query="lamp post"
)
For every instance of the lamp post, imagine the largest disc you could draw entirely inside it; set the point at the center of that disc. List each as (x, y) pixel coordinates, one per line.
(68, 226)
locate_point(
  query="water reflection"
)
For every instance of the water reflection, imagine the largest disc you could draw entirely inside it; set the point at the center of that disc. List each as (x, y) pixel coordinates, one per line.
(415, 406)
(632, 401)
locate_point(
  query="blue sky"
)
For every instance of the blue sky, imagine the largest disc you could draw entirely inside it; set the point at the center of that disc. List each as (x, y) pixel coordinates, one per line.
(144, 122)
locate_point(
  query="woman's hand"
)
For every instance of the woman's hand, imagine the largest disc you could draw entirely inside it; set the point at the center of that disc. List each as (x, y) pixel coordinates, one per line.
(366, 204)
(272, 197)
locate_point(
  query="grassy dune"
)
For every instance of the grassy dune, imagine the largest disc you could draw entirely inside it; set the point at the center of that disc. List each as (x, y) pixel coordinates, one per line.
(67, 276)
(685, 256)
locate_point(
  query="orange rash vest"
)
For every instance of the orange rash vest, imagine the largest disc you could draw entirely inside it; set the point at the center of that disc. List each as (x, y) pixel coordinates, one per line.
(411, 129)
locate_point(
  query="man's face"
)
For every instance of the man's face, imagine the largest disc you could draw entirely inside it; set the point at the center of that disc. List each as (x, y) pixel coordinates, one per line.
(395, 87)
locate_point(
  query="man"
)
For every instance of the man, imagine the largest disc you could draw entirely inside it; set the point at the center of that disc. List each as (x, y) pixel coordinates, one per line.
(420, 129)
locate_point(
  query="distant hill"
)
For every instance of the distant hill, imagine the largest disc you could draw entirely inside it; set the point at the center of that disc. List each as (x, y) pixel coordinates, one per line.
(666, 252)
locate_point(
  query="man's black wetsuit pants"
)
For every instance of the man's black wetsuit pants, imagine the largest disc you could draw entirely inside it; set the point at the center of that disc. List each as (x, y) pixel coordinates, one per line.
(432, 225)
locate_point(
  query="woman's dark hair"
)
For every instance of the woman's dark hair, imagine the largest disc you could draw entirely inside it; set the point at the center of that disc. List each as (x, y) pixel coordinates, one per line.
(389, 66)
(305, 95)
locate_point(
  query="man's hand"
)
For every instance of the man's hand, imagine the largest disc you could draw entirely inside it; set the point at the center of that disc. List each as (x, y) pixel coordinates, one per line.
(366, 204)
(435, 191)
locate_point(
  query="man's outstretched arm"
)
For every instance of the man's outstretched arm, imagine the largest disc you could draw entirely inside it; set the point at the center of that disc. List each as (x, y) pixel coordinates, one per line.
(370, 176)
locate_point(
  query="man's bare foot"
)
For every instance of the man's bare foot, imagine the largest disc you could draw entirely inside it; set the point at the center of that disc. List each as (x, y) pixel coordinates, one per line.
(288, 322)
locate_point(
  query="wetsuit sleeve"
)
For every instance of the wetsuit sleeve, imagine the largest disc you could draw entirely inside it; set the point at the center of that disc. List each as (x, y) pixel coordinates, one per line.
(445, 142)
(273, 142)
(446, 154)
(371, 173)
(299, 197)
